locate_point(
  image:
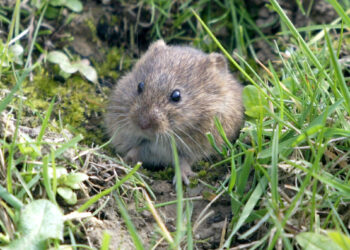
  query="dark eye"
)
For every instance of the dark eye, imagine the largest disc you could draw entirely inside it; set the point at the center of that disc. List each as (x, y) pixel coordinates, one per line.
(140, 87)
(175, 96)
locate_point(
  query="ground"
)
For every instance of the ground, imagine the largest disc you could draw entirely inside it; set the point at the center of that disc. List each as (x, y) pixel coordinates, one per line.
(217, 214)
(102, 34)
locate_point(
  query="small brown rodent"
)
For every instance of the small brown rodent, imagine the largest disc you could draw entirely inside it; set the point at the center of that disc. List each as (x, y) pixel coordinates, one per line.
(173, 90)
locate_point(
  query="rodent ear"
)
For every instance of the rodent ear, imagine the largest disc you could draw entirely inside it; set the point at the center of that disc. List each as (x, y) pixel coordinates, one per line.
(157, 44)
(218, 61)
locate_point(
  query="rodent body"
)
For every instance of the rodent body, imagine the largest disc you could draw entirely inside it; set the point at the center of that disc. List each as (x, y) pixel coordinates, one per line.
(173, 90)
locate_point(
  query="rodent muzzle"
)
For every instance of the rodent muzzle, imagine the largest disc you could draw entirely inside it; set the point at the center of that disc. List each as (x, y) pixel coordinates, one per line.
(148, 120)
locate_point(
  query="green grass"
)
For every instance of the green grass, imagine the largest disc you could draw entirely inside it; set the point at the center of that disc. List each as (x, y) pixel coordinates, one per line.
(293, 152)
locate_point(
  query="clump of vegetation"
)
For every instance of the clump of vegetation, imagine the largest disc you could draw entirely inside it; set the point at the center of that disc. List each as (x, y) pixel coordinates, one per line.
(116, 61)
(77, 99)
(286, 181)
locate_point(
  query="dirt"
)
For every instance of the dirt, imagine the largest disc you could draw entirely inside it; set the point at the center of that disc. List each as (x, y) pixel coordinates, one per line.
(114, 226)
(209, 220)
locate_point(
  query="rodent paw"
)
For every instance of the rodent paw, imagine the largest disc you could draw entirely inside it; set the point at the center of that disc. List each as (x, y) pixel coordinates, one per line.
(186, 174)
(132, 156)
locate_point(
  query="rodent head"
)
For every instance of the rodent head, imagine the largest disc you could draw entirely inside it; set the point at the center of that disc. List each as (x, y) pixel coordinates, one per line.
(170, 90)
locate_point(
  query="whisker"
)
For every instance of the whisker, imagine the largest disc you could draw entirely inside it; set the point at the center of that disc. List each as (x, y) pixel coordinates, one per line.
(120, 125)
(183, 143)
(116, 115)
(198, 144)
(117, 108)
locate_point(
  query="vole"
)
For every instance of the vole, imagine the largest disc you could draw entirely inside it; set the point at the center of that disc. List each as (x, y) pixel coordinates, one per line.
(173, 91)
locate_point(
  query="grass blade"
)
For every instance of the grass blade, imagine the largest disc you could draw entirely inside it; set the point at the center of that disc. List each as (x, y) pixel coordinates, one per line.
(179, 194)
(340, 11)
(106, 240)
(10, 96)
(338, 73)
(233, 175)
(68, 145)
(248, 208)
(46, 121)
(28, 61)
(47, 181)
(9, 198)
(274, 168)
(189, 209)
(243, 174)
(301, 41)
(163, 230)
(131, 228)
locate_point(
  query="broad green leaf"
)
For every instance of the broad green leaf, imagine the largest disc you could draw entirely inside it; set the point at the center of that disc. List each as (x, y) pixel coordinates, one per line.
(62, 60)
(316, 241)
(253, 101)
(341, 239)
(57, 57)
(52, 12)
(27, 243)
(16, 50)
(69, 67)
(60, 171)
(39, 221)
(74, 180)
(68, 195)
(88, 72)
(65, 75)
(74, 5)
(43, 219)
(58, 2)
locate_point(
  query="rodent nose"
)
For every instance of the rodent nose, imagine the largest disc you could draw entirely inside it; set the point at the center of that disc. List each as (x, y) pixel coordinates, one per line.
(144, 123)
(147, 122)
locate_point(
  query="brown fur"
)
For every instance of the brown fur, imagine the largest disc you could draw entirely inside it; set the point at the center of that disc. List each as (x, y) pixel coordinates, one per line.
(207, 90)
